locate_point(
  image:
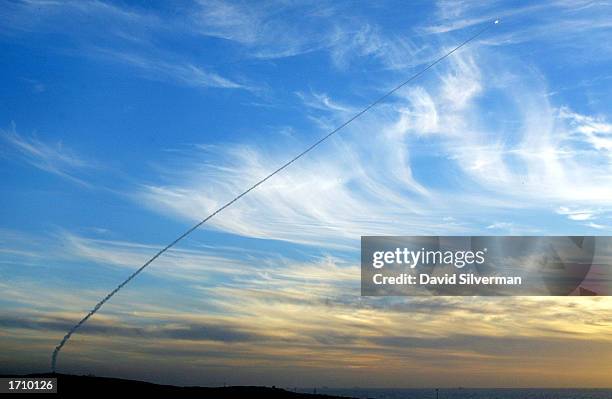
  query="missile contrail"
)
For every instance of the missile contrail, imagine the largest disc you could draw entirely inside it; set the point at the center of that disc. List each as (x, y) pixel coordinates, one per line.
(97, 307)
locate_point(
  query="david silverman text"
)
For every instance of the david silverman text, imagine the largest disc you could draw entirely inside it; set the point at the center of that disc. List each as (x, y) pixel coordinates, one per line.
(426, 279)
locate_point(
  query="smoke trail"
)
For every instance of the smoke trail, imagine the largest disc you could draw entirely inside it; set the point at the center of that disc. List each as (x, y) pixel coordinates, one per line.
(93, 311)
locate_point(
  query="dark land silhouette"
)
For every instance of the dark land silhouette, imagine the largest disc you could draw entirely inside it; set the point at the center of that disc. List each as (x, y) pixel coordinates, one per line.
(85, 385)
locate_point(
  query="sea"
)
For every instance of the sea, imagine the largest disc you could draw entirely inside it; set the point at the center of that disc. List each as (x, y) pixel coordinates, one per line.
(465, 393)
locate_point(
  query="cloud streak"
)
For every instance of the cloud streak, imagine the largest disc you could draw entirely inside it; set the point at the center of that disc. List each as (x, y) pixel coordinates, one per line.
(54, 158)
(183, 73)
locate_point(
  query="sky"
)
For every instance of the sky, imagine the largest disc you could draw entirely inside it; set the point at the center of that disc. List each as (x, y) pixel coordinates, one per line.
(124, 123)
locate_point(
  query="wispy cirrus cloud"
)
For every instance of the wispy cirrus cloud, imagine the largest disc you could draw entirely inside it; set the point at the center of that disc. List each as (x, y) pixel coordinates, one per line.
(53, 158)
(326, 201)
(578, 214)
(533, 163)
(561, 24)
(596, 131)
(184, 264)
(116, 34)
(263, 29)
(181, 72)
(323, 102)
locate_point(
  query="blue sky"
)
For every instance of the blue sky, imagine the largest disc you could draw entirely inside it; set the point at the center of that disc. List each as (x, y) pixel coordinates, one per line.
(123, 123)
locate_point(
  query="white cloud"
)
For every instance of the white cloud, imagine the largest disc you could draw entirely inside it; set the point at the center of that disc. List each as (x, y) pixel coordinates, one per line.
(597, 226)
(264, 29)
(500, 226)
(362, 40)
(596, 131)
(50, 157)
(323, 102)
(119, 34)
(195, 264)
(359, 183)
(269, 31)
(181, 72)
(365, 181)
(460, 15)
(578, 214)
